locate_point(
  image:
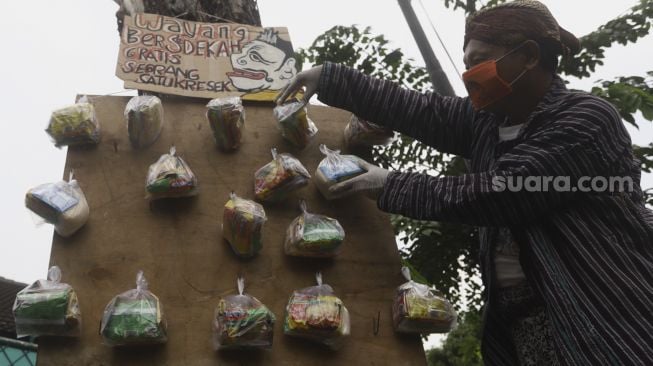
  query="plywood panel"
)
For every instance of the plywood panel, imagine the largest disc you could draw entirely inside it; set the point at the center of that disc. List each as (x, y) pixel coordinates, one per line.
(179, 246)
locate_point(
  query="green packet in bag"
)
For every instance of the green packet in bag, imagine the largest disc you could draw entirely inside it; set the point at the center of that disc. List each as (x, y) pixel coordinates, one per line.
(312, 235)
(134, 317)
(47, 308)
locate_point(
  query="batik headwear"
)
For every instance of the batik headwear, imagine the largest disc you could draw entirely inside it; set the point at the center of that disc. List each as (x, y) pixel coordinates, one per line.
(510, 23)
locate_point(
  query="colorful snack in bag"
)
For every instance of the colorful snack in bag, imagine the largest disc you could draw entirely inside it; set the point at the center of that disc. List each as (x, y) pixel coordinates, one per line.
(312, 235)
(276, 179)
(360, 132)
(294, 123)
(335, 168)
(47, 307)
(144, 116)
(242, 321)
(74, 125)
(226, 117)
(315, 313)
(62, 204)
(418, 308)
(134, 317)
(170, 177)
(242, 225)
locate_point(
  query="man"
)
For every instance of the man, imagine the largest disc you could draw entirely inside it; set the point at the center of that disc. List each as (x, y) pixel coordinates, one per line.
(568, 273)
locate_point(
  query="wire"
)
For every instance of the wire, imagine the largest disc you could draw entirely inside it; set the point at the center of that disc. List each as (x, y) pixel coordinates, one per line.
(440, 39)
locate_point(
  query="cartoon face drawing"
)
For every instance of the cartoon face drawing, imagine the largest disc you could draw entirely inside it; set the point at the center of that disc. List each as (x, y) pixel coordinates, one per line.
(264, 63)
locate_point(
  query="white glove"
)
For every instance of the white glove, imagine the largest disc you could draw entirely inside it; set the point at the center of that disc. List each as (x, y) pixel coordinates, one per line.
(309, 79)
(370, 183)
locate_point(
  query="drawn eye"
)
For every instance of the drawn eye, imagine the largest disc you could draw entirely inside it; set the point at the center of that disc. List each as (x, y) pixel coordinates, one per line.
(254, 56)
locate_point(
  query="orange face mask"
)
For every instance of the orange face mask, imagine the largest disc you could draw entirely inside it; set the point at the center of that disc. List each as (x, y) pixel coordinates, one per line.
(485, 86)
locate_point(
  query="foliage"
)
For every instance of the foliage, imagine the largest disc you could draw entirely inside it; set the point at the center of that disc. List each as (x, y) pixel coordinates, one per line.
(462, 346)
(629, 95)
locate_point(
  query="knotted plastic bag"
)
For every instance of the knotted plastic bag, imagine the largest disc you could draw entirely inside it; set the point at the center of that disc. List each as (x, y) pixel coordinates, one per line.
(134, 317)
(226, 117)
(170, 177)
(242, 321)
(242, 225)
(418, 308)
(76, 124)
(294, 123)
(335, 168)
(312, 235)
(276, 179)
(144, 116)
(47, 308)
(315, 313)
(360, 132)
(62, 204)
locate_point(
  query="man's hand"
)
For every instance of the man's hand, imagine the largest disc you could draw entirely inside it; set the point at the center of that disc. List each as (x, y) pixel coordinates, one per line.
(370, 183)
(309, 79)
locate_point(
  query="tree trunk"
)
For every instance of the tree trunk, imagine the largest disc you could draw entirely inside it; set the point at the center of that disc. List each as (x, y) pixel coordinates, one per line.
(207, 11)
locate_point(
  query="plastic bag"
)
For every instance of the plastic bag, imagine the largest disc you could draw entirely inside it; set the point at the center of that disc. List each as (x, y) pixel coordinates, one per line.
(134, 317)
(226, 117)
(294, 123)
(311, 235)
(47, 307)
(62, 204)
(315, 313)
(418, 308)
(144, 116)
(74, 125)
(276, 179)
(242, 321)
(335, 168)
(360, 132)
(170, 177)
(242, 225)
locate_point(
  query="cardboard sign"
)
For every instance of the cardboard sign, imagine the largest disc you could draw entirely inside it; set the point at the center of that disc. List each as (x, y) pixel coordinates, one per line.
(206, 60)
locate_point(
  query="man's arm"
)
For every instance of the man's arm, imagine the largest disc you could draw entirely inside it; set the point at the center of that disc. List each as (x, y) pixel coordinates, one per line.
(589, 140)
(444, 123)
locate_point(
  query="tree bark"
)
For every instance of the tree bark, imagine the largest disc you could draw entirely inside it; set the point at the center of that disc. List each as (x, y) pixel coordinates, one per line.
(206, 11)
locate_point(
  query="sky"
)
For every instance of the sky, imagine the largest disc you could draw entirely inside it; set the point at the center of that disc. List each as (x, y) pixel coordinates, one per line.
(54, 50)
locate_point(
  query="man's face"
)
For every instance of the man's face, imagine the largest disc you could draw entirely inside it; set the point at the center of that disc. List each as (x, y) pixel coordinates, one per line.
(508, 68)
(261, 66)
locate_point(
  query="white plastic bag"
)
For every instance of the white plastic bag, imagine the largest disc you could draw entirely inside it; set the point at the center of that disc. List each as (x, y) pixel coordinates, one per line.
(134, 317)
(170, 177)
(312, 235)
(47, 307)
(315, 313)
(76, 124)
(62, 204)
(144, 116)
(242, 225)
(242, 321)
(276, 179)
(294, 123)
(418, 308)
(226, 117)
(335, 168)
(360, 132)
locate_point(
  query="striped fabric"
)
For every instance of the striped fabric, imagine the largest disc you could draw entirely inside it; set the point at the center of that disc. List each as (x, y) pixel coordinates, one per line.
(588, 255)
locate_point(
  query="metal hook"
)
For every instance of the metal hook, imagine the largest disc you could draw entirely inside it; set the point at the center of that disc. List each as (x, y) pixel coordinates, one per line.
(375, 323)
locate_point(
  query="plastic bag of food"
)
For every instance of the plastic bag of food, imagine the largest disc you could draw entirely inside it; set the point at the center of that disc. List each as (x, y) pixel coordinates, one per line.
(74, 125)
(242, 225)
(47, 308)
(276, 179)
(418, 308)
(134, 317)
(170, 177)
(144, 116)
(226, 117)
(242, 321)
(294, 123)
(62, 204)
(317, 314)
(312, 235)
(360, 132)
(335, 168)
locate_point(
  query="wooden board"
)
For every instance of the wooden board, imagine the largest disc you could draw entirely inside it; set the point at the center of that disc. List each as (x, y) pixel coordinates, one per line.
(179, 246)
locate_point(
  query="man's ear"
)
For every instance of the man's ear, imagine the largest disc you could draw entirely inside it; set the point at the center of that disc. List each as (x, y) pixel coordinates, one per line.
(532, 53)
(288, 70)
